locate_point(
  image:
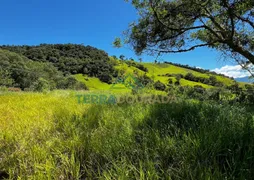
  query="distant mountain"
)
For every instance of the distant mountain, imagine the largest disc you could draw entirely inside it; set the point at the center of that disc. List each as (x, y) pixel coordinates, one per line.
(244, 79)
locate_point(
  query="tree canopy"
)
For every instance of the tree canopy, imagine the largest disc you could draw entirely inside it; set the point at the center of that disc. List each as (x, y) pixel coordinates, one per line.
(69, 58)
(175, 26)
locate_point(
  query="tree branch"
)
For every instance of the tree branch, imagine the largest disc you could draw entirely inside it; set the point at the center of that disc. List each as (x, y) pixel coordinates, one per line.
(170, 28)
(222, 30)
(182, 50)
(245, 68)
(238, 48)
(231, 17)
(245, 20)
(211, 30)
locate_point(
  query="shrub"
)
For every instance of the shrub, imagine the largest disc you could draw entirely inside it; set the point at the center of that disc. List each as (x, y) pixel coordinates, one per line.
(3, 88)
(250, 98)
(41, 85)
(104, 77)
(159, 86)
(210, 81)
(80, 86)
(145, 80)
(214, 94)
(179, 77)
(190, 77)
(177, 83)
(235, 88)
(170, 81)
(5, 78)
(199, 89)
(70, 83)
(139, 66)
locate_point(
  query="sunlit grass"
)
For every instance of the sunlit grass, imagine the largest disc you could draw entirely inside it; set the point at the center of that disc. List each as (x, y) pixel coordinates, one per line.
(185, 82)
(51, 136)
(156, 72)
(30, 144)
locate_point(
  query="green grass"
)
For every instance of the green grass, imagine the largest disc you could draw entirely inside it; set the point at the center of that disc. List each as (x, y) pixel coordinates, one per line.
(51, 136)
(162, 69)
(128, 69)
(155, 72)
(92, 82)
(185, 82)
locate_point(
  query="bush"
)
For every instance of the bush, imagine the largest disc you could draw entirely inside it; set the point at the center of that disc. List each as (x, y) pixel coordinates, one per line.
(199, 89)
(80, 86)
(250, 98)
(3, 89)
(170, 81)
(212, 80)
(196, 92)
(41, 85)
(214, 94)
(70, 83)
(177, 83)
(179, 77)
(139, 66)
(159, 86)
(104, 77)
(5, 78)
(235, 88)
(145, 80)
(190, 77)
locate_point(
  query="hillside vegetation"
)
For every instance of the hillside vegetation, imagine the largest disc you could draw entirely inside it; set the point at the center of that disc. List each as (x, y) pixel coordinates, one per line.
(78, 59)
(204, 131)
(70, 66)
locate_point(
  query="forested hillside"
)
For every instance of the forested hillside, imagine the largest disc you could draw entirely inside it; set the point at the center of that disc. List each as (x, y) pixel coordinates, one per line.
(20, 72)
(69, 58)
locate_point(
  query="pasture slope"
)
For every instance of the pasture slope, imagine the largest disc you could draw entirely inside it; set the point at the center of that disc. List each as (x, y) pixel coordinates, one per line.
(157, 72)
(51, 136)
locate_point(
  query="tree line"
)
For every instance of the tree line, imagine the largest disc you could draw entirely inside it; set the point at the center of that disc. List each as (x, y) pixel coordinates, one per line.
(20, 72)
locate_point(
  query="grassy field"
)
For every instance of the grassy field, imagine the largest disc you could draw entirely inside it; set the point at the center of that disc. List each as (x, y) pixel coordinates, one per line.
(51, 136)
(155, 72)
(162, 69)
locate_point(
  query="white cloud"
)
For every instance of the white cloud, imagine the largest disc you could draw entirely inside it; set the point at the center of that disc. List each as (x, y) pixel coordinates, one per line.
(232, 71)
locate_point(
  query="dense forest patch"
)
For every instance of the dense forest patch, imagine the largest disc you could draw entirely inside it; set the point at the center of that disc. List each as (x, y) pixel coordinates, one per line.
(69, 58)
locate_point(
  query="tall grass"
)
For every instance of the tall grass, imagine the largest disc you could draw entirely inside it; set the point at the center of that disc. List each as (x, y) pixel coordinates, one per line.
(51, 136)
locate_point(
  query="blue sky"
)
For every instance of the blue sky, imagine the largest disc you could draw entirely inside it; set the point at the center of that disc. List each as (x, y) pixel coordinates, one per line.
(90, 22)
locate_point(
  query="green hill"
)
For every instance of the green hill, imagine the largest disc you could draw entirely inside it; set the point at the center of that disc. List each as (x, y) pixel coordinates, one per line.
(156, 72)
(74, 66)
